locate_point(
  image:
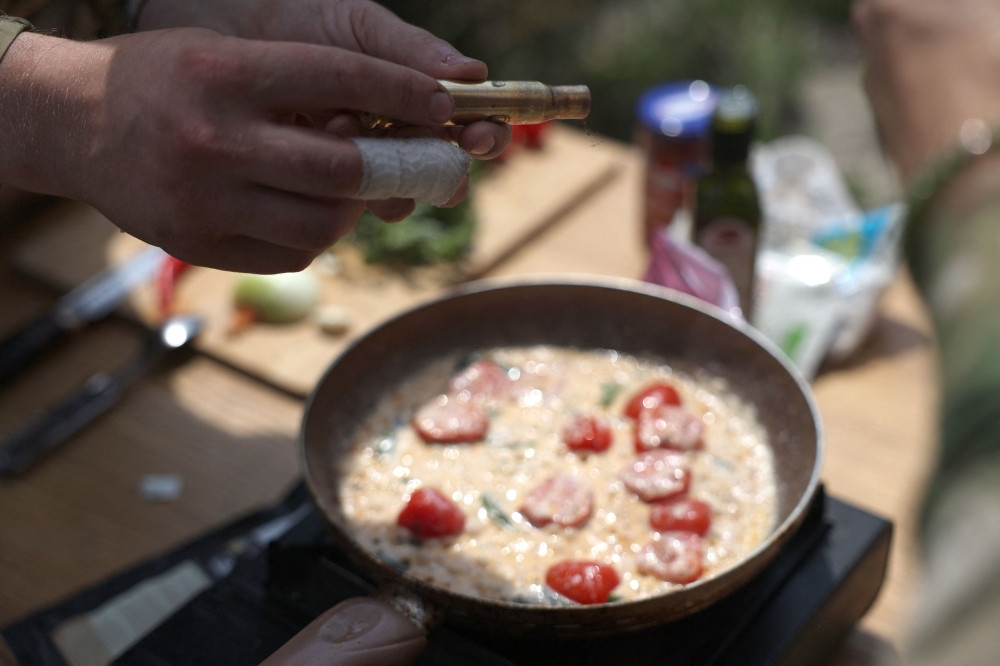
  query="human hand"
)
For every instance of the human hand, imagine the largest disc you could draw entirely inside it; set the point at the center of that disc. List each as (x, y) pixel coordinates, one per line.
(933, 65)
(181, 138)
(357, 25)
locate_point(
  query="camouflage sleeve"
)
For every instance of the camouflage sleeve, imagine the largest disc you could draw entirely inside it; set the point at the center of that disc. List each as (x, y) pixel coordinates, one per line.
(955, 258)
(76, 19)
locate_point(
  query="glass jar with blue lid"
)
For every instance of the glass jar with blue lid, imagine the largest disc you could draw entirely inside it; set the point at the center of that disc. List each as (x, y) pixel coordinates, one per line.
(674, 120)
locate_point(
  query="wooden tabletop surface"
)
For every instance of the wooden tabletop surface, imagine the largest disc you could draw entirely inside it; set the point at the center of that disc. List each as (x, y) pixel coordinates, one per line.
(78, 517)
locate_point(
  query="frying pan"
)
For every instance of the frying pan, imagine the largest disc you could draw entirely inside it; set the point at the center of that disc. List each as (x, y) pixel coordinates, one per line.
(587, 313)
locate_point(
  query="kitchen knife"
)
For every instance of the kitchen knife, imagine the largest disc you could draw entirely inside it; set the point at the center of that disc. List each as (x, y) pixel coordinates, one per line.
(91, 301)
(98, 394)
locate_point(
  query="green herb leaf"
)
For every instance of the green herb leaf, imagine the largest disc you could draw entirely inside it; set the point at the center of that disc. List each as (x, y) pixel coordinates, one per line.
(495, 513)
(385, 445)
(428, 236)
(553, 598)
(608, 392)
(391, 561)
(613, 598)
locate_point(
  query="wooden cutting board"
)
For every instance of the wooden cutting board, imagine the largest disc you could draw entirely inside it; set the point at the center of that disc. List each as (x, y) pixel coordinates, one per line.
(514, 203)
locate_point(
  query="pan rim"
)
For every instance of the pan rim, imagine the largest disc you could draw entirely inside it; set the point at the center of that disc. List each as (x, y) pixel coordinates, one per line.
(780, 533)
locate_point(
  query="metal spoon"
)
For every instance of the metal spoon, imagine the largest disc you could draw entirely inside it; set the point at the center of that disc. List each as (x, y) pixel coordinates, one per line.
(98, 394)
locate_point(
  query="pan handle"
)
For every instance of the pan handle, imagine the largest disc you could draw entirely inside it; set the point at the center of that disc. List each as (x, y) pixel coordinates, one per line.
(357, 632)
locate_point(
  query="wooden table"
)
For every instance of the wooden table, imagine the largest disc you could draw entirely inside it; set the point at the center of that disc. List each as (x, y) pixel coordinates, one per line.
(78, 517)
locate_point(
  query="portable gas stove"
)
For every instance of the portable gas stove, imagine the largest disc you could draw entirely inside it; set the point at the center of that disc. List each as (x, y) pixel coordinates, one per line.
(250, 600)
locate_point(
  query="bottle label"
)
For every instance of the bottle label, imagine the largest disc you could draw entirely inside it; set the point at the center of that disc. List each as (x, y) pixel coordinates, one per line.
(733, 243)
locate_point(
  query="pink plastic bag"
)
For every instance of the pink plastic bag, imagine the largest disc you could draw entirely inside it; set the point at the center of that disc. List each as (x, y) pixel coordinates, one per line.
(690, 269)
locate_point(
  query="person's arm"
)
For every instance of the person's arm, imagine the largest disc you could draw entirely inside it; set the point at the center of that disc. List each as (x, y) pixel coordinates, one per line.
(180, 137)
(934, 82)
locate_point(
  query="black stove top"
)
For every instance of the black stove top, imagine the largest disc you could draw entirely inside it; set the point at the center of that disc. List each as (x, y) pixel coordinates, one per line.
(254, 599)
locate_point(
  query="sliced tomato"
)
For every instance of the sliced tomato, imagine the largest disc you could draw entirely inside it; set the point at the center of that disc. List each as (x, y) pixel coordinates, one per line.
(583, 582)
(483, 379)
(668, 426)
(430, 514)
(588, 433)
(675, 558)
(681, 514)
(564, 500)
(652, 397)
(657, 475)
(448, 421)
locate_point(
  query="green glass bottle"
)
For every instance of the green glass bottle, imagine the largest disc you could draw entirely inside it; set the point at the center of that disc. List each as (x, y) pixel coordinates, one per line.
(727, 213)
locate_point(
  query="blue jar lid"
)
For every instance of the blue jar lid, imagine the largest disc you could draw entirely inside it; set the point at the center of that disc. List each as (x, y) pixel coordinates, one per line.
(680, 109)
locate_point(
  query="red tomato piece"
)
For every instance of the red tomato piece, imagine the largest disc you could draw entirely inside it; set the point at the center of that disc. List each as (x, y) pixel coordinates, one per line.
(657, 475)
(430, 514)
(166, 282)
(681, 514)
(588, 433)
(483, 380)
(563, 500)
(583, 582)
(652, 397)
(668, 426)
(675, 558)
(448, 421)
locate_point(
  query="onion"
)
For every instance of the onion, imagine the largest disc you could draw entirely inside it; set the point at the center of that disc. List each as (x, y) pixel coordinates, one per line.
(278, 299)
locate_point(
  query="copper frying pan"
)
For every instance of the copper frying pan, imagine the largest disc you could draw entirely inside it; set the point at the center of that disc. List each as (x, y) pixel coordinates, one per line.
(624, 315)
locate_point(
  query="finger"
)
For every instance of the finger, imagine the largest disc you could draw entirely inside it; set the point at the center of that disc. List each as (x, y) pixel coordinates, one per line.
(460, 193)
(294, 221)
(345, 126)
(298, 160)
(392, 210)
(286, 76)
(380, 33)
(485, 140)
(415, 132)
(860, 13)
(245, 255)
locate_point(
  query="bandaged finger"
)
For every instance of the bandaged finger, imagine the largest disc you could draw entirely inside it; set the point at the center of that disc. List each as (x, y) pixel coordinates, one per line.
(423, 169)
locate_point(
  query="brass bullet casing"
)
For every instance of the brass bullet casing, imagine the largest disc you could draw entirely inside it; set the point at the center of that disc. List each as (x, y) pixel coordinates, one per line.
(508, 102)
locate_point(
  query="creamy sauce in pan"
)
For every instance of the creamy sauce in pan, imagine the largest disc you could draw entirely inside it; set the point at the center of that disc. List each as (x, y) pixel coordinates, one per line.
(500, 555)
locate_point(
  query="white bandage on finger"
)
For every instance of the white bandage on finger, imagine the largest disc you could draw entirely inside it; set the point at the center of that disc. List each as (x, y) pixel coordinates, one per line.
(421, 168)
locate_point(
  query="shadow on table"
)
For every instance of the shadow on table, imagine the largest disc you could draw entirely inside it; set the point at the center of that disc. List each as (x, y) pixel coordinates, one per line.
(888, 338)
(861, 648)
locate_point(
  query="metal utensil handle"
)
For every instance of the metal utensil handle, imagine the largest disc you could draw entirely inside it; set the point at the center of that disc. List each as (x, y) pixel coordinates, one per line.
(23, 346)
(23, 448)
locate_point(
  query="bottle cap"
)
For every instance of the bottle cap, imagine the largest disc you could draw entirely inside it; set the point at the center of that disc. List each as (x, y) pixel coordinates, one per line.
(679, 110)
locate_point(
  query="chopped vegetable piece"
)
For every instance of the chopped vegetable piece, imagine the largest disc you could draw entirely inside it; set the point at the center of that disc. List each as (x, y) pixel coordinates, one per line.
(278, 299)
(608, 392)
(332, 319)
(430, 514)
(482, 379)
(448, 421)
(657, 475)
(669, 427)
(652, 397)
(675, 558)
(166, 283)
(563, 500)
(583, 582)
(588, 433)
(681, 514)
(495, 513)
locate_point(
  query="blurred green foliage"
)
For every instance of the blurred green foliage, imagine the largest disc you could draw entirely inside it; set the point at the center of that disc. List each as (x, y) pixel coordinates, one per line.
(621, 47)
(427, 236)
